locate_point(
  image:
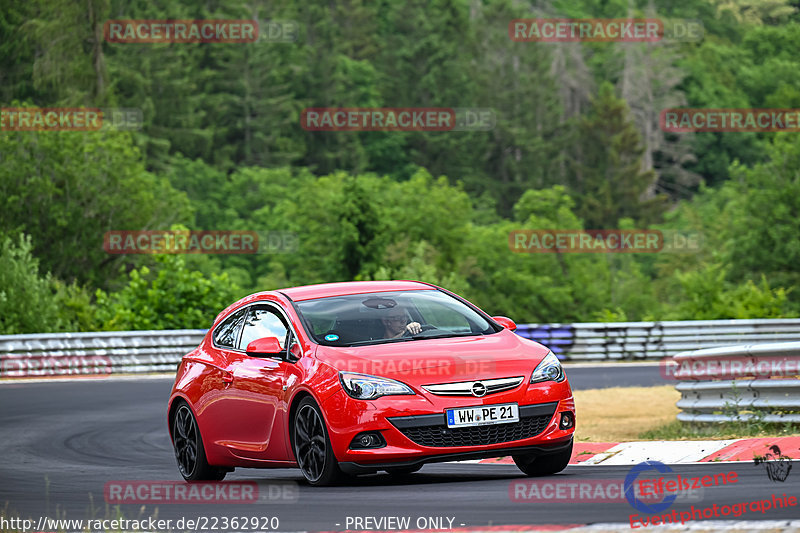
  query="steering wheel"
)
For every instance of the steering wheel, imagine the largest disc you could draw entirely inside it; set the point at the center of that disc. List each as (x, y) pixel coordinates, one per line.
(424, 327)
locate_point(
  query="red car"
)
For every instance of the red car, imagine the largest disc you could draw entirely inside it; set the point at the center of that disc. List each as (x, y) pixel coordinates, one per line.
(357, 377)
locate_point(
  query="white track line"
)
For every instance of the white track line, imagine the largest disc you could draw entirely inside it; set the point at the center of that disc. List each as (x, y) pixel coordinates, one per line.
(613, 364)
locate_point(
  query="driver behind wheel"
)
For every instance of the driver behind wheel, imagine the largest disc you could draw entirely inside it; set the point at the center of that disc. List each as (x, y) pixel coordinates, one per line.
(396, 324)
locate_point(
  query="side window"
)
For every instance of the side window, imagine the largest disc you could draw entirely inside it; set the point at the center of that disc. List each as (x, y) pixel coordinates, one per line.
(263, 322)
(227, 333)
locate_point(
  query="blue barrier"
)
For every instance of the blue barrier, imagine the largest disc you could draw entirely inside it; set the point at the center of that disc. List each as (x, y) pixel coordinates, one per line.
(558, 337)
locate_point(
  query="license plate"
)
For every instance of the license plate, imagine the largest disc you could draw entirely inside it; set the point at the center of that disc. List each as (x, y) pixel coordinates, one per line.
(482, 415)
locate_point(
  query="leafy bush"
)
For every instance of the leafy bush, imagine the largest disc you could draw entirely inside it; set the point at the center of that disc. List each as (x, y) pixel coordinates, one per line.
(32, 303)
(708, 296)
(175, 297)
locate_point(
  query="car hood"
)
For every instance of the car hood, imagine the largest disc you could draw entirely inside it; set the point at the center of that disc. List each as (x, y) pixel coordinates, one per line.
(447, 360)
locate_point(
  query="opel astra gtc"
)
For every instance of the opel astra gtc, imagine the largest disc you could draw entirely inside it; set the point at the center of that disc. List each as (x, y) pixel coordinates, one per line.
(357, 377)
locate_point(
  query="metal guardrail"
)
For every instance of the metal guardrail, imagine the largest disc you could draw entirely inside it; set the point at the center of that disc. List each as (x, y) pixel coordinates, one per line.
(57, 354)
(156, 351)
(654, 340)
(768, 387)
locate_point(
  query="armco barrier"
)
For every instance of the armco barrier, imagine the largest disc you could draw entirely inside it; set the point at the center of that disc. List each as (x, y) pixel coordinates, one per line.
(56, 354)
(156, 351)
(772, 395)
(654, 340)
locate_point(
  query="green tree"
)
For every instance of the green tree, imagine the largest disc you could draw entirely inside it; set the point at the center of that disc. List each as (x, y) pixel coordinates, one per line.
(173, 297)
(765, 229)
(34, 303)
(419, 265)
(526, 147)
(607, 180)
(706, 295)
(329, 215)
(755, 11)
(532, 287)
(335, 69)
(54, 52)
(66, 189)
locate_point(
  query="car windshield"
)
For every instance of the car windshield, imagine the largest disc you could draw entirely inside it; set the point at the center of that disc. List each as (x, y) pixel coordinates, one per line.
(383, 317)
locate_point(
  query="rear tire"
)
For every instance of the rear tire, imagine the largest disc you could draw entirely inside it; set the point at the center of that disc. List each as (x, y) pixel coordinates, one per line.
(312, 447)
(189, 450)
(543, 465)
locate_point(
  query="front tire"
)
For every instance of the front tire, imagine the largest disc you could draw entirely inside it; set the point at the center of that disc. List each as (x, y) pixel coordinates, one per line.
(543, 465)
(312, 447)
(189, 450)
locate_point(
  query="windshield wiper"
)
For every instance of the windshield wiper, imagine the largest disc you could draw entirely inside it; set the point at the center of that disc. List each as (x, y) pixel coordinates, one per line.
(379, 341)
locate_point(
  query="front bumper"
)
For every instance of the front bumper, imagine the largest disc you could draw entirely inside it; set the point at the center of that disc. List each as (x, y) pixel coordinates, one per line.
(431, 430)
(415, 431)
(356, 468)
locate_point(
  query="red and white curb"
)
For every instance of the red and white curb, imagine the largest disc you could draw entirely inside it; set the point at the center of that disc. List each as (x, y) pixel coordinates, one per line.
(478, 529)
(673, 452)
(785, 526)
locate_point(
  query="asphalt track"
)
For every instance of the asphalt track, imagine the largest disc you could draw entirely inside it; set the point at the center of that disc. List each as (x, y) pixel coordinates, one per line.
(601, 376)
(61, 442)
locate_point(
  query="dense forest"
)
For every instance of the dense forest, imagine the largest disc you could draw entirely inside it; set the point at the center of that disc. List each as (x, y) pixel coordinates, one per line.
(576, 143)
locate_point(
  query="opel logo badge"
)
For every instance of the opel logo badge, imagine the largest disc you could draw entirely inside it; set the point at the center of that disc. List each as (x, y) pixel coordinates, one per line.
(478, 389)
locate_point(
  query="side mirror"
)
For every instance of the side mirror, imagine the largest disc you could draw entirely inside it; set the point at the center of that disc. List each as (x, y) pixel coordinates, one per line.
(264, 346)
(294, 353)
(505, 322)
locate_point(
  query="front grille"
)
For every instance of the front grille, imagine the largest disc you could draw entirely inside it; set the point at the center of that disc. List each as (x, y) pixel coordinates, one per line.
(465, 388)
(533, 420)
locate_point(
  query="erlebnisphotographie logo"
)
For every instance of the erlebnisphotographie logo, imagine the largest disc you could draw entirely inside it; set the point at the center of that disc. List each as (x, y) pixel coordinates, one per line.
(776, 464)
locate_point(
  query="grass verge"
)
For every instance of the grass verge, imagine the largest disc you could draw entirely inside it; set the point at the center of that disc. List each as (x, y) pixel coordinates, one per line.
(622, 413)
(676, 430)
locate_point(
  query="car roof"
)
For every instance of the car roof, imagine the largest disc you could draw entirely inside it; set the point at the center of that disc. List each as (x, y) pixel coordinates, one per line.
(324, 290)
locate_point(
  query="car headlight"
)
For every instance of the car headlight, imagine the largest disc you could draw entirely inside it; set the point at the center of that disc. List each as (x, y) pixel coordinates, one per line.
(548, 370)
(366, 387)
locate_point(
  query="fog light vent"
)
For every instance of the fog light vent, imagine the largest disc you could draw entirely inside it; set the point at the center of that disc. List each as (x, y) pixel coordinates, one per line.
(567, 420)
(367, 440)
